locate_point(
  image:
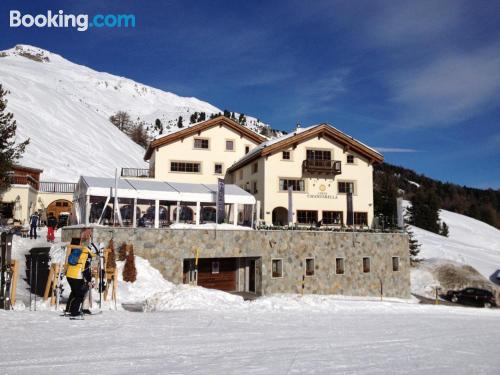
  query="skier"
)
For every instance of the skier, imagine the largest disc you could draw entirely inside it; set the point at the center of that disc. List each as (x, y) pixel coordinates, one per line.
(34, 220)
(79, 276)
(51, 227)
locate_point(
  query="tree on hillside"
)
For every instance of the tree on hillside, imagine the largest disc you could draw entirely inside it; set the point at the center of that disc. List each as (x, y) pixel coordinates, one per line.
(425, 210)
(385, 196)
(138, 134)
(158, 126)
(9, 151)
(413, 245)
(121, 120)
(180, 122)
(242, 119)
(194, 118)
(444, 231)
(202, 117)
(227, 113)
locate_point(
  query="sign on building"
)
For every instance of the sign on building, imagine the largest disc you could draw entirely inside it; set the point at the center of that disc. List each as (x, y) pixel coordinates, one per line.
(220, 200)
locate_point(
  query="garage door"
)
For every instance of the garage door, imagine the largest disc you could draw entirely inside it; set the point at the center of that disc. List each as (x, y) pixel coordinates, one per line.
(217, 273)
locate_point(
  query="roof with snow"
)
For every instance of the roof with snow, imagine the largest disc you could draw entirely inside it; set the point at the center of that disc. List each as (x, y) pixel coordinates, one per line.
(161, 190)
(195, 128)
(303, 134)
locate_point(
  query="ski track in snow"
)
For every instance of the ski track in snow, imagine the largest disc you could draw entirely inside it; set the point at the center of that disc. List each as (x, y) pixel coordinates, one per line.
(358, 338)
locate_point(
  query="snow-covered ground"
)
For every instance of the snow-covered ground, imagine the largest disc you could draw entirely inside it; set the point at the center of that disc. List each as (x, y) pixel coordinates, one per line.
(349, 337)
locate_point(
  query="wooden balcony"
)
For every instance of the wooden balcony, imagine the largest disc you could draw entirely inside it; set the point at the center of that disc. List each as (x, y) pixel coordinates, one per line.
(24, 180)
(57, 187)
(137, 172)
(331, 167)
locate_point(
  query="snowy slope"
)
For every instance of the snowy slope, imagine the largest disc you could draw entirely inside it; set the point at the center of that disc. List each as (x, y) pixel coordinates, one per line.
(470, 242)
(64, 108)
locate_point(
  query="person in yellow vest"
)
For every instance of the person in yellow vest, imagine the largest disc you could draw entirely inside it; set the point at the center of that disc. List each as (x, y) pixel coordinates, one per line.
(79, 276)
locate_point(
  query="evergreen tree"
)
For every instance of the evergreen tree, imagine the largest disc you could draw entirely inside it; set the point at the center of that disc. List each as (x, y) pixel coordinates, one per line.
(129, 270)
(227, 113)
(194, 118)
(425, 210)
(385, 199)
(159, 126)
(242, 119)
(9, 151)
(180, 122)
(413, 245)
(203, 116)
(444, 230)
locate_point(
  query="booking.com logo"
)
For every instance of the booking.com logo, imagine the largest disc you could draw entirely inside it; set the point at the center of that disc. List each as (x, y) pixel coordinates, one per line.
(78, 21)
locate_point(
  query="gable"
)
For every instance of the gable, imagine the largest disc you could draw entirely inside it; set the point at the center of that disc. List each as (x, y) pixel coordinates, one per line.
(198, 129)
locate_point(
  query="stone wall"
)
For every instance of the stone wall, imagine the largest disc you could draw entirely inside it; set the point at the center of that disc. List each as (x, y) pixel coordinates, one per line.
(166, 249)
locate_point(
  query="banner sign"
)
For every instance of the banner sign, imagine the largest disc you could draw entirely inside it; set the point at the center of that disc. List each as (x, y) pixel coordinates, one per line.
(220, 200)
(349, 209)
(290, 205)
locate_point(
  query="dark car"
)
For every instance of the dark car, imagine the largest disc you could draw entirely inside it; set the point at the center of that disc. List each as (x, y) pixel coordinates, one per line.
(472, 296)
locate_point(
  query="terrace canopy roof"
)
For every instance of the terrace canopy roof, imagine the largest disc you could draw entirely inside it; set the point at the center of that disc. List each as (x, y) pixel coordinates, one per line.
(160, 190)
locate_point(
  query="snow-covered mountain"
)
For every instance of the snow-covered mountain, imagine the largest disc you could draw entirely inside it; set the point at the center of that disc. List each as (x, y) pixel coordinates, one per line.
(64, 108)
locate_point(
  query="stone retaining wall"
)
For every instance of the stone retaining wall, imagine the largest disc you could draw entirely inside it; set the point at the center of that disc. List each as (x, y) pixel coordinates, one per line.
(166, 248)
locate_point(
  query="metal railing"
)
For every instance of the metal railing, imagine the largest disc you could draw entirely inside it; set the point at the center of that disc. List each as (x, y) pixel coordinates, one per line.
(328, 166)
(57, 187)
(137, 172)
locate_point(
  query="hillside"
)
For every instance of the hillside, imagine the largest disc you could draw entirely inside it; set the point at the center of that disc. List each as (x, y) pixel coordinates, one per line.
(480, 204)
(64, 108)
(470, 243)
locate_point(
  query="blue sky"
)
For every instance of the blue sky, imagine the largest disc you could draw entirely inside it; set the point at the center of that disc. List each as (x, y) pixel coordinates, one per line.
(418, 79)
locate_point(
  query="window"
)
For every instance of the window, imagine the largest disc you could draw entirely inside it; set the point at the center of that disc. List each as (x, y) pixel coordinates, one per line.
(255, 167)
(255, 190)
(215, 267)
(307, 216)
(339, 266)
(176, 166)
(366, 264)
(218, 168)
(297, 185)
(247, 149)
(309, 266)
(229, 145)
(318, 155)
(285, 155)
(395, 264)
(345, 187)
(201, 143)
(350, 159)
(332, 217)
(277, 267)
(360, 218)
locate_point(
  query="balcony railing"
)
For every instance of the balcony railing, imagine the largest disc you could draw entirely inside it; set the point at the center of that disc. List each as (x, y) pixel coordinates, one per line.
(57, 187)
(24, 180)
(137, 172)
(322, 166)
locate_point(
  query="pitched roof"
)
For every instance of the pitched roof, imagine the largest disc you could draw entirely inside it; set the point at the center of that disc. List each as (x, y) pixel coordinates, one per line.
(303, 134)
(199, 127)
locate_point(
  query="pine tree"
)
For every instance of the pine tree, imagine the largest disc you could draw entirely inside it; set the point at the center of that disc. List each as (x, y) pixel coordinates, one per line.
(444, 230)
(111, 261)
(122, 252)
(194, 118)
(385, 199)
(203, 116)
(242, 119)
(9, 151)
(413, 245)
(180, 122)
(129, 270)
(227, 113)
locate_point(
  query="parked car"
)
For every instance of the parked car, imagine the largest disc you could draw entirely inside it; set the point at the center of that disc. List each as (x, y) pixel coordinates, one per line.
(472, 296)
